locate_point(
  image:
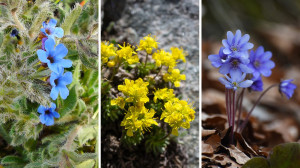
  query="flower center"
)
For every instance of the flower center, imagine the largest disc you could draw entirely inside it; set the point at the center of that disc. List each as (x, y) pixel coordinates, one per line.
(48, 31)
(234, 83)
(141, 116)
(234, 48)
(235, 63)
(256, 64)
(50, 58)
(56, 82)
(47, 112)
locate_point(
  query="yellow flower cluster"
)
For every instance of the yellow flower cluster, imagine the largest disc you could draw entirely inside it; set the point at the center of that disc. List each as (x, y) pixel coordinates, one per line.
(136, 91)
(174, 77)
(138, 119)
(107, 50)
(163, 94)
(178, 113)
(148, 44)
(162, 57)
(128, 53)
(178, 53)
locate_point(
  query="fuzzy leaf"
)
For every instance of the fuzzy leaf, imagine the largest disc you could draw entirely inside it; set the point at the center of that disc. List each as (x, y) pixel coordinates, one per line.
(79, 158)
(71, 18)
(285, 156)
(257, 162)
(86, 134)
(69, 103)
(86, 164)
(12, 160)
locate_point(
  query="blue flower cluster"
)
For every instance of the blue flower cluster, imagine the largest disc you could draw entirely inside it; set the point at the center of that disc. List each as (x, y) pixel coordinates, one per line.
(52, 56)
(235, 60)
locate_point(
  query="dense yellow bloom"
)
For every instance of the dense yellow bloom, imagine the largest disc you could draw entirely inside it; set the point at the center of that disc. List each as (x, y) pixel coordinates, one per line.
(148, 44)
(178, 53)
(136, 91)
(175, 77)
(107, 50)
(178, 113)
(162, 57)
(119, 102)
(138, 119)
(128, 53)
(163, 94)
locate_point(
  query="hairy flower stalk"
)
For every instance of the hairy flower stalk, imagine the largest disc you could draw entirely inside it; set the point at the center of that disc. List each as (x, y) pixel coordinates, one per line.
(231, 108)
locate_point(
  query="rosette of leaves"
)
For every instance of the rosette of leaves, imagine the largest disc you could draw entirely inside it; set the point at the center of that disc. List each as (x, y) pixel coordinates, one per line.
(71, 141)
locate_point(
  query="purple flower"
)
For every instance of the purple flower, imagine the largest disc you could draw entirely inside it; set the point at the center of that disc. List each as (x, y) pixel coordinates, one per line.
(51, 31)
(14, 33)
(260, 62)
(48, 114)
(257, 84)
(219, 59)
(237, 45)
(287, 88)
(58, 82)
(235, 82)
(53, 56)
(235, 66)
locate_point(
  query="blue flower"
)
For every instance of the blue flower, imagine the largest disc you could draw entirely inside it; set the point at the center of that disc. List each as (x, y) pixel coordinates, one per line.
(51, 31)
(235, 82)
(260, 62)
(287, 88)
(236, 45)
(53, 56)
(257, 84)
(48, 114)
(235, 66)
(219, 59)
(14, 33)
(58, 82)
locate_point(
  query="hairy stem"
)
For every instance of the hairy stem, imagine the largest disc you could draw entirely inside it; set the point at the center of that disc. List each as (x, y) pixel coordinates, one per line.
(239, 107)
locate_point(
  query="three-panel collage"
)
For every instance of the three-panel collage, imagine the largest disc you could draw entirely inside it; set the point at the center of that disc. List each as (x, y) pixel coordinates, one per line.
(149, 84)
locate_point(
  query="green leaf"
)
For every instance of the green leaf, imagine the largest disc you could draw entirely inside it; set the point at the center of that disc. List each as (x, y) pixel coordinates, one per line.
(285, 156)
(257, 162)
(79, 158)
(15, 160)
(87, 133)
(86, 164)
(71, 18)
(69, 103)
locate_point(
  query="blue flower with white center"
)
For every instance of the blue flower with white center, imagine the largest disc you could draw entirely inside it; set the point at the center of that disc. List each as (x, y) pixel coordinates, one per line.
(287, 88)
(58, 82)
(236, 82)
(260, 62)
(50, 30)
(219, 59)
(53, 56)
(257, 84)
(48, 114)
(235, 66)
(237, 45)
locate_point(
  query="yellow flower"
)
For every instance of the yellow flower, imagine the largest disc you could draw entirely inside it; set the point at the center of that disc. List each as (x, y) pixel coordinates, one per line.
(136, 91)
(111, 63)
(178, 53)
(119, 102)
(162, 57)
(107, 50)
(138, 119)
(128, 53)
(163, 94)
(175, 77)
(178, 113)
(148, 44)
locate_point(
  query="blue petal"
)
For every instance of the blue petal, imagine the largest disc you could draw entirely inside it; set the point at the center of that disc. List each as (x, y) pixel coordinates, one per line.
(43, 31)
(52, 23)
(59, 32)
(65, 63)
(225, 43)
(267, 55)
(229, 37)
(246, 46)
(54, 67)
(53, 76)
(60, 51)
(43, 118)
(245, 68)
(224, 69)
(244, 39)
(237, 37)
(54, 93)
(215, 60)
(269, 64)
(259, 51)
(41, 109)
(246, 83)
(43, 55)
(56, 114)
(49, 44)
(224, 82)
(235, 74)
(53, 106)
(67, 78)
(265, 72)
(49, 121)
(227, 51)
(64, 92)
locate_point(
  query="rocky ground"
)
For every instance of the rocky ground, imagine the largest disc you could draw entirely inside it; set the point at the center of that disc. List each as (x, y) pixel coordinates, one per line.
(174, 23)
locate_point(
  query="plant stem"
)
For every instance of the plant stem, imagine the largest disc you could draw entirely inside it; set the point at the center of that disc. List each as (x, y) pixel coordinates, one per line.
(257, 101)
(158, 72)
(115, 71)
(18, 23)
(239, 107)
(146, 60)
(233, 104)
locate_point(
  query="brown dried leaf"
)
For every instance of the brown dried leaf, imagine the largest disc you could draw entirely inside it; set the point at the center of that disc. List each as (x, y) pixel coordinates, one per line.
(207, 149)
(239, 156)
